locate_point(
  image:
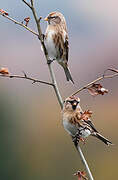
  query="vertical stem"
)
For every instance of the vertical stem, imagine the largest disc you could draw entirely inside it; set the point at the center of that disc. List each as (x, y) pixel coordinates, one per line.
(55, 86)
(84, 162)
(46, 56)
(55, 83)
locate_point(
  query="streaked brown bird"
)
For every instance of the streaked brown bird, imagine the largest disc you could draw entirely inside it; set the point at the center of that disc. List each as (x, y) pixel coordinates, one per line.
(56, 41)
(77, 127)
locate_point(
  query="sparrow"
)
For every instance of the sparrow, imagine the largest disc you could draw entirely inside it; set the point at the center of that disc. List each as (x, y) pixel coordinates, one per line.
(78, 128)
(56, 41)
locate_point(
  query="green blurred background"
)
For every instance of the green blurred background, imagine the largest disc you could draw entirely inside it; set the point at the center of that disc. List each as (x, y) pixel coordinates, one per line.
(33, 143)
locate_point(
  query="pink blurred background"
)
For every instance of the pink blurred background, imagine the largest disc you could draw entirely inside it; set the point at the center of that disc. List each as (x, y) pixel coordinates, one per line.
(34, 144)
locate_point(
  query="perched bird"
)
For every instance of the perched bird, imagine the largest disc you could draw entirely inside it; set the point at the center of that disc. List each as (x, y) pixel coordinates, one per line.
(78, 127)
(56, 41)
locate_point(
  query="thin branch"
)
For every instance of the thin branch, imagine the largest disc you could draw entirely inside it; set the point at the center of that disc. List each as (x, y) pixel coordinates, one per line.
(54, 83)
(96, 80)
(84, 162)
(19, 23)
(54, 79)
(28, 4)
(32, 2)
(56, 89)
(26, 77)
(37, 22)
(55, 86)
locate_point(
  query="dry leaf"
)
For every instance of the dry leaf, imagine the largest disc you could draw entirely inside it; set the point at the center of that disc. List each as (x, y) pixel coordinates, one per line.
(81, 175)
(4, 71)
(97, 89)
(4, 12)
(27, 19)
(86, 115)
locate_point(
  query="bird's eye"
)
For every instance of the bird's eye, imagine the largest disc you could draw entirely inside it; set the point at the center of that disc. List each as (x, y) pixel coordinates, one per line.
(68, 101)
(54, 17)
(72, 101)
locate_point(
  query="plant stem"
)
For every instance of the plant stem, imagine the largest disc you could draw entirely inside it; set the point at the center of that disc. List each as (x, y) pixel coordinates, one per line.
(84, 162)
(54, 81)
(96, 80)
(19, 23)
(28, 78)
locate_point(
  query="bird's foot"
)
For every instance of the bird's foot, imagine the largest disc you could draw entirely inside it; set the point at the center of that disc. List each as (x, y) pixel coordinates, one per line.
(49, 61)
(76, 138)
(82, 140)
(75, 141)
(41, 37)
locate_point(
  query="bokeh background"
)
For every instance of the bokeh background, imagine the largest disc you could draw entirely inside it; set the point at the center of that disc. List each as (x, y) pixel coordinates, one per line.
(33, 143)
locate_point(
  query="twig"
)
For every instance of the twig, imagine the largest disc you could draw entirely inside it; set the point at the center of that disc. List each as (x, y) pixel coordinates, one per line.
(32, 2)
(54, 79)
(28, 4)
(84, 162)
(26, 77)
(54, 83)
(55, 86)
(96, 80)
(56, 89)
(19, 23)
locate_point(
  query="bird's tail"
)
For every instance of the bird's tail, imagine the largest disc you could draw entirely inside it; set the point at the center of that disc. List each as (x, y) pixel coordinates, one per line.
(102, 138)
(68, 74)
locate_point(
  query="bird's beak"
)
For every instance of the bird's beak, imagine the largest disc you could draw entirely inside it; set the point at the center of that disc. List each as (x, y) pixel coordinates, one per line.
(75, 104)
(46, 19)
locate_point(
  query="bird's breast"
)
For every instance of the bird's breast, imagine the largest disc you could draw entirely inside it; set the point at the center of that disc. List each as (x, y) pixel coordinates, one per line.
(70, 128)
(50, 45)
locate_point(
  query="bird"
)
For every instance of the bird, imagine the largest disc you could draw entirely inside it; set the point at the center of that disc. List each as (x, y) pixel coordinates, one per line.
(56, 41)
(78, 127)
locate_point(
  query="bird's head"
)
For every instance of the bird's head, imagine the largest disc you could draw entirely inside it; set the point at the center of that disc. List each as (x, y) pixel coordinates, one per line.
(71, 103)
(55, 18)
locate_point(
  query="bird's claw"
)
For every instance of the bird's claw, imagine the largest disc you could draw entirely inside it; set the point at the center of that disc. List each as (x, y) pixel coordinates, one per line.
(49, 61)
(41, 37)
(78, 138)
(82, 140)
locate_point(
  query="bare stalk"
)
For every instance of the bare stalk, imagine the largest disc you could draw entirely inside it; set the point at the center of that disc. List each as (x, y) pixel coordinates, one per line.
(55, 86)
(26, 77)
(96, 80)
(84, 162)
(37, 20)
(19, 23)
(28, 4)
(54, 83)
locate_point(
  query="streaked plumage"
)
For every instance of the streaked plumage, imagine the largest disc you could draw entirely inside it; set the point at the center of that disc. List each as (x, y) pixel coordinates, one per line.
(78, 128)
(56, 41)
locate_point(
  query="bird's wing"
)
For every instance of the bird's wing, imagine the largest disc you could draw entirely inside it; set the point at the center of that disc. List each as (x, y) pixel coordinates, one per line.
(90, 124)
(62, 40)
(66, 47)
(76, 119)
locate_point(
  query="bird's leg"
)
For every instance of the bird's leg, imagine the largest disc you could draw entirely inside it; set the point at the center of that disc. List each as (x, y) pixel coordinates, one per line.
(75, 141)
(82, 140)
(76, 138)
(41, 37)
